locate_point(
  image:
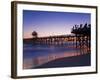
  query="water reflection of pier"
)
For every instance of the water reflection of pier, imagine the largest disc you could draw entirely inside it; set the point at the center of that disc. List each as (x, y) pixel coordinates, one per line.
(35, 62)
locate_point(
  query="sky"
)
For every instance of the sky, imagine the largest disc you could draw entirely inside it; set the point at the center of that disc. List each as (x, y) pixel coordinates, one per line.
(47, 23)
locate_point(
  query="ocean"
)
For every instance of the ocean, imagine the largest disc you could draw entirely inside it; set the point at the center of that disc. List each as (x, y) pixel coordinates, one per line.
(36, 55)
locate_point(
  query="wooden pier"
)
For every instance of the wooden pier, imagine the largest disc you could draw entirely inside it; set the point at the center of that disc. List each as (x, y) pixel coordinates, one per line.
(54, 40)
(77, 41)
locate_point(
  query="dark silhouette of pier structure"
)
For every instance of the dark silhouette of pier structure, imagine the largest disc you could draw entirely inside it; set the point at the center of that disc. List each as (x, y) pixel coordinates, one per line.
(80, 37)
(83, 36)
(54, 40)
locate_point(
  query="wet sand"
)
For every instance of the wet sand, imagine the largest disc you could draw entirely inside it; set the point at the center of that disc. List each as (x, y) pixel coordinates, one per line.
(81, 60)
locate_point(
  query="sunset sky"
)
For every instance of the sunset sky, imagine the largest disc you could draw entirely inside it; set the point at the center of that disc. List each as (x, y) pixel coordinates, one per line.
(47, 23)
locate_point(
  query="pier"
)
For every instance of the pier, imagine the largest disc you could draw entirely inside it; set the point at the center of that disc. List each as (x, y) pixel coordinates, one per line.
(54, 40)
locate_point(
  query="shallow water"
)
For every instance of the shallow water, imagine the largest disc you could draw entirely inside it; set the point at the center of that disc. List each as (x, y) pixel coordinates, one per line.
(36, 55)
(33, 51)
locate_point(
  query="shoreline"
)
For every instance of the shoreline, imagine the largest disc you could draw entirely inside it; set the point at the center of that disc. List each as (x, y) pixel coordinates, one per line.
(35, 62)
(81, 60)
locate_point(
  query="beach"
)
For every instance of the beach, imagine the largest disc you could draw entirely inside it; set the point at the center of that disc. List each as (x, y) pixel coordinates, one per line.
(48, 56)
(82, 60)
